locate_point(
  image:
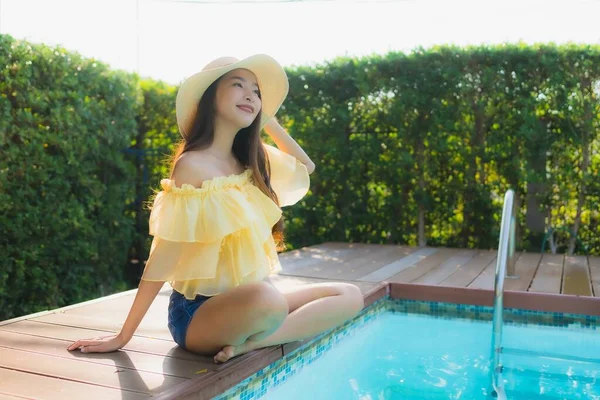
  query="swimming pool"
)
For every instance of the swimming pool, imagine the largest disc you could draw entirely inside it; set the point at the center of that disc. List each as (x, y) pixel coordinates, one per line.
(400, 349)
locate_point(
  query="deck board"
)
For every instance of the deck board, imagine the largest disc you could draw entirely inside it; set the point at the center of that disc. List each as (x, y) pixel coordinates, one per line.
(465, 274)
(86, 372)
(549, 274)
(485, 280)
(447, 268)
(595, 274)
(148, 328)
(364, 265)
(576, 276)
(525, 267)
(308, 259)
(390, 270)
(137, 343)
(43, 387)
(425, 265)
(141, 361)
(327, 264)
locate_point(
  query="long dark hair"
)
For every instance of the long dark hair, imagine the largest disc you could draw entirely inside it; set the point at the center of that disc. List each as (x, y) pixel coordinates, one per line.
(247, 148)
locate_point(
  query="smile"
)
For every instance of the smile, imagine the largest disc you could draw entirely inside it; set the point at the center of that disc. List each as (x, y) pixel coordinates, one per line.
(247, 108)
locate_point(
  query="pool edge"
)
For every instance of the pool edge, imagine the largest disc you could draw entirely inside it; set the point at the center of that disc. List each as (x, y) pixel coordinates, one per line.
(561, 303)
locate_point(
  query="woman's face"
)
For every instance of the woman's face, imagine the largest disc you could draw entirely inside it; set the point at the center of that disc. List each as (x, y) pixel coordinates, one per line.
(238, 98)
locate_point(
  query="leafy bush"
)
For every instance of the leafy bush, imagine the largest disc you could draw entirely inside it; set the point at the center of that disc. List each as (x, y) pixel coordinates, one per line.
(64, 180)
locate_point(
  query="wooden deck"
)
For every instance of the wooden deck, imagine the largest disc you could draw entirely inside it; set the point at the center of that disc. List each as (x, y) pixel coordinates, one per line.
(544, 273)
(34, 362)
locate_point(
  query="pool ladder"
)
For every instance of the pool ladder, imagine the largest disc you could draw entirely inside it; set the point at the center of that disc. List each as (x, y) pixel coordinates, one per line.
(505, 268)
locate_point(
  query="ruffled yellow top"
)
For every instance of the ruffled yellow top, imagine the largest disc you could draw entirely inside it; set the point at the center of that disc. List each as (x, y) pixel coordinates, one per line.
(215, 237)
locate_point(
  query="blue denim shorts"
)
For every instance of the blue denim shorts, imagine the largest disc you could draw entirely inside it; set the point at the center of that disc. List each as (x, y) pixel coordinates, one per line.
(181, 311)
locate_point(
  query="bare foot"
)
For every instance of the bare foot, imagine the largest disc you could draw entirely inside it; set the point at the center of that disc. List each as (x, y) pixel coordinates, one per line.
(225, 354)
(230, 352)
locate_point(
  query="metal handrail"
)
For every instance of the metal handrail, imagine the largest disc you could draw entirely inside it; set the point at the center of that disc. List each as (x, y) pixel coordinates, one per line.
(505, 266)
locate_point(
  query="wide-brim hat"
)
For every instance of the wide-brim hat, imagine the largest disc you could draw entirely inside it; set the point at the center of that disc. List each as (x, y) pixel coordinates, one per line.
(272, 83)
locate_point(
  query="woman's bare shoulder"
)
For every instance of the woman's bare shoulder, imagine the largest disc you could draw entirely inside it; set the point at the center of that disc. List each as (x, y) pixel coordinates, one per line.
(193, 168)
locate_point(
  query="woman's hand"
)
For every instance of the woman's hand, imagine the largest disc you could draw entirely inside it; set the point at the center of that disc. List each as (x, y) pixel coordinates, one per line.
(104, 344)
(287, 144)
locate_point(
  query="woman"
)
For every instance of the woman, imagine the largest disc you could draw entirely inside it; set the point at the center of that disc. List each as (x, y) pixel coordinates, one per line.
(217, 222)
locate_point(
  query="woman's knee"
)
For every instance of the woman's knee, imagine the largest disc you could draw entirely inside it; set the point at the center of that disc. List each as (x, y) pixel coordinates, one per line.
(265, 301)
(354, 297)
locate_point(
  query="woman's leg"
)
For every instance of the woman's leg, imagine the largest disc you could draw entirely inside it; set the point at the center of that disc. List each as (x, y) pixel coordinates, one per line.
(232, 317)
(313, 309)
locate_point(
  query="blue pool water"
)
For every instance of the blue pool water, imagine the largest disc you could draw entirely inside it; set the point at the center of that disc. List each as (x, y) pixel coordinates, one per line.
(412, 356)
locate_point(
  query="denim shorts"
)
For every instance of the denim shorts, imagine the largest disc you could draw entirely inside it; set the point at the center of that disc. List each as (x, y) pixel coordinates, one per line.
(181, 311)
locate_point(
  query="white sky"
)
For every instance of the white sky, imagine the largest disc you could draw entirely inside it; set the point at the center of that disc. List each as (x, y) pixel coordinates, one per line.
(177, 39)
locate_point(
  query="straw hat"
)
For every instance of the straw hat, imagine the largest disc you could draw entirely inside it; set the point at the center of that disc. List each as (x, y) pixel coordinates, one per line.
(272, 82)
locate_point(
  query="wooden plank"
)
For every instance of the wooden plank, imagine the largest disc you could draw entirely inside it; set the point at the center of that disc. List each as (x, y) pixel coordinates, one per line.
(321, 248)
(147, 328)
(423, 266)
(132, 292)
(365, 253)
(84, 372)
(326, 262)
(595, 274)
(309, 256)
(447, 268)
(121, 359)
(118, 309)
(525, 267)
(467, 273)
(333, 268)
(166, 348)
(485, 280)
(214, 384)
(549, 274)
(109, 316)
(366, 259)
(360, 267)
(576, 276)
(391, 269)
(27, 385)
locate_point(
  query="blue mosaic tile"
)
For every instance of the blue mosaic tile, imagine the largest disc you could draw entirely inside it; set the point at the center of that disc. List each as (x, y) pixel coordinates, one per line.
(485, 313)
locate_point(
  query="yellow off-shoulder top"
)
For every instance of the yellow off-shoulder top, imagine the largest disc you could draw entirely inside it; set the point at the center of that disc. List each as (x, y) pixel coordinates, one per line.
(209, 239)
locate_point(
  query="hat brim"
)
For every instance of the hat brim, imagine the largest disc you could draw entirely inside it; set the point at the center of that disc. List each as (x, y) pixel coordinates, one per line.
(272, 82)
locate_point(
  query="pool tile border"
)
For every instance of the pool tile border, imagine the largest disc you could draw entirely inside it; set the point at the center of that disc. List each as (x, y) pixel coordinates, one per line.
(532, 301)
(512, 316)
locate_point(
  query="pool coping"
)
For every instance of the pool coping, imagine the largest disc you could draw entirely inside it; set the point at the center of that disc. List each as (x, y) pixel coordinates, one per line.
(228, 375)
(558, 303)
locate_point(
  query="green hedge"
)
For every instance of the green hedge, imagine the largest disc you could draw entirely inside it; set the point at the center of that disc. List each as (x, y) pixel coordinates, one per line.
(410, 148)
(64, 179)
(156, 137)
(420, 148)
